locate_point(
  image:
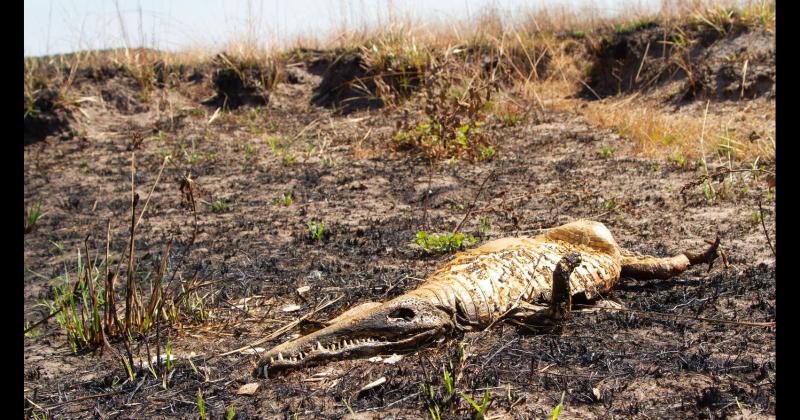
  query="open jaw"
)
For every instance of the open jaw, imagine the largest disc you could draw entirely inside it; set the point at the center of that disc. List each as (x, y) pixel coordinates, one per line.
(319, 353)
(391, 327)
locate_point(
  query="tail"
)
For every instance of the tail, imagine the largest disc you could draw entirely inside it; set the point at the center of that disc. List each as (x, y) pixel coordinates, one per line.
(663, 268)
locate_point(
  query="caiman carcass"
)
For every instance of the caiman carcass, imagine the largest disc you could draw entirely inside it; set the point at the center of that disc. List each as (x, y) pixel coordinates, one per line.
(530, 279)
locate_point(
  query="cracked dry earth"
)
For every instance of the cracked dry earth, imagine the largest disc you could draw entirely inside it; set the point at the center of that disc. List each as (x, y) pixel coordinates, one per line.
(252, 255)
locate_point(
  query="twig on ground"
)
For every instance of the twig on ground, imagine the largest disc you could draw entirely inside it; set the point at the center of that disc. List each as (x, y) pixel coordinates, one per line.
(764, 226)
(281, 330)
(147, 200)
(87, 397)
(42, 321)
(474, 200)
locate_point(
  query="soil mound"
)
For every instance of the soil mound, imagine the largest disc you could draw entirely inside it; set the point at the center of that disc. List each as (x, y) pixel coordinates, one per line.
(242, 84)
(350, 84)
(44, 116)
(723, 63)
(123, 97)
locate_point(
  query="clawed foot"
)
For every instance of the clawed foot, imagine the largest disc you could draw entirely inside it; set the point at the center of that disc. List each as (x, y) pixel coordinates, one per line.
(709, 255)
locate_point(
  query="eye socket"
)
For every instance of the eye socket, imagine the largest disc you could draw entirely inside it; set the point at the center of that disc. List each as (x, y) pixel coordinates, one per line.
(404, 313)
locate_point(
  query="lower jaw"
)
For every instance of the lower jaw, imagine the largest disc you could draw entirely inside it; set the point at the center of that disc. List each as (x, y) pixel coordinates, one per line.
(328, 357)
(358, 352)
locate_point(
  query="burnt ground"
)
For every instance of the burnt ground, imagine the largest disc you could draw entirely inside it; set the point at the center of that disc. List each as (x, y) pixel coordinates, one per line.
(252, 254)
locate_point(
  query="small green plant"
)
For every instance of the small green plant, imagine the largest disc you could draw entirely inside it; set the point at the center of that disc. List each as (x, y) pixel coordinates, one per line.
(485, 225)
(129, 369)
(606, 152)
(30, 110)
(77, 305)
(34, 332)
(39, 416)
(192, 155)
(448, 383)
(32, 216)
(679, 159)
(756, 216)
(435, 413)
(709, 191)
(274, 143)
(249, 150)
(281, 149)
(327, 162)
(610, 204)
(194, 368)
(429, 393)
(443, 243)
(509, 119)
(201, 405)
(557, 410)
(231, 413)
(349, 408)
(287, 199)
(316, 230)
(169, 362)
(480, 410)
(219, 205)
(58, 245)
(486, 152)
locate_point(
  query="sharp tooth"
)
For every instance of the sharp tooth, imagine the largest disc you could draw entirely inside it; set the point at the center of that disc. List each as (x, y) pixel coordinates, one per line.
(272, 360)
(319, 346)
(293, 360)
(280, 356)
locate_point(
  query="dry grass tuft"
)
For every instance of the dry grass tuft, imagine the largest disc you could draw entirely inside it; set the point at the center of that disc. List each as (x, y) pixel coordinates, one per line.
(661, 133)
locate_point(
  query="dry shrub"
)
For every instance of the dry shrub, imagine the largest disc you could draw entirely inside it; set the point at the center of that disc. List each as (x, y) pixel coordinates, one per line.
(454, 109)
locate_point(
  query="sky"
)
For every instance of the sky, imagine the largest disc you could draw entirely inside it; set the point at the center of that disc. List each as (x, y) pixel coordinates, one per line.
(62, 26)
